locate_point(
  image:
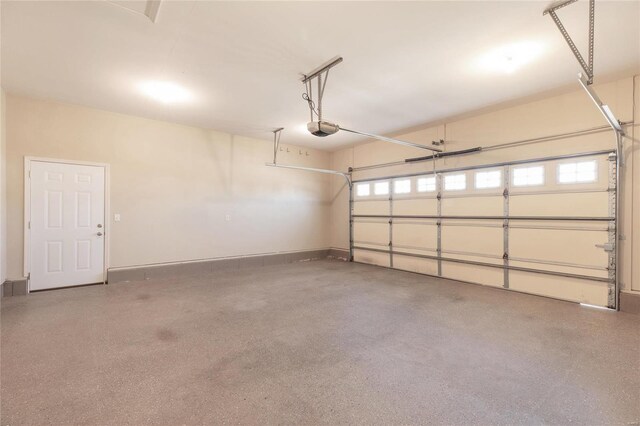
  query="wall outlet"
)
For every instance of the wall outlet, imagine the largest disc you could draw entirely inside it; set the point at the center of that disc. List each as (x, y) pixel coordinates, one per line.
(116, 217)
(227, 217)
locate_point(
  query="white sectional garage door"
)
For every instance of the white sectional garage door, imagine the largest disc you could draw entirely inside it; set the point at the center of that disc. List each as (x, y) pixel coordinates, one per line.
(545, 226)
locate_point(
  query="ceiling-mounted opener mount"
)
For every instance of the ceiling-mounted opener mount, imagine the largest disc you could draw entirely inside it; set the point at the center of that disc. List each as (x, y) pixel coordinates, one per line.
(585, 79)
(586, 67)
(318, 127)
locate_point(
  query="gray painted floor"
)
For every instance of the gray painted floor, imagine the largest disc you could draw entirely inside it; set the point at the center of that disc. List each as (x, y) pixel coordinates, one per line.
(314, 342)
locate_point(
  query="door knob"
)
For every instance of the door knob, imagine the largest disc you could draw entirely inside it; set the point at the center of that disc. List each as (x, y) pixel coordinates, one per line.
(99, 225)
(99, 234)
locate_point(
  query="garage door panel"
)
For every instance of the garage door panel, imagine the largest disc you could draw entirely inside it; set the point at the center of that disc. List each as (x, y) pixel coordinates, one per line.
(423, 206)
(411, 235)
(413, 264)
(552, 245)
(371, 207)
(595, 204)
(577, 290)
(475, 274)
(371, 232)
(469, 238)
(372, 258)
(476, 206)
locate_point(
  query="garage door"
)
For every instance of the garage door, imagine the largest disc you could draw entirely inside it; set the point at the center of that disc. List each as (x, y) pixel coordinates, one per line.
(544, 226)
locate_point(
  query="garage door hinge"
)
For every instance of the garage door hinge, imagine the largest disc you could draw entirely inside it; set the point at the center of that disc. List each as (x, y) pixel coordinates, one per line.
(606, 246)
(505, 193)
(505, 256)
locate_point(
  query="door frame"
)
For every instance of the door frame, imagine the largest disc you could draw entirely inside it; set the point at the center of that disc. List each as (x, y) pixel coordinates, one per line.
(27, 210)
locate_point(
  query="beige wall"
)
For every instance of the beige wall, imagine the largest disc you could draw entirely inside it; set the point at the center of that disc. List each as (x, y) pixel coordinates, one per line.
(559, 114)
(3, 190)
(632, 173)
(173, 185)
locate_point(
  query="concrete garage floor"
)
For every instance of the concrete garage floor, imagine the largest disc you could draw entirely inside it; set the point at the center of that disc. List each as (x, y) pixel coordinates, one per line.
(314, 342)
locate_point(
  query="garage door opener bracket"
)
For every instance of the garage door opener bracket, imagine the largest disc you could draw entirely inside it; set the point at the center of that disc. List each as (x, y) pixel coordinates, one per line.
(276, 148)
(318, 127)
(587, 67)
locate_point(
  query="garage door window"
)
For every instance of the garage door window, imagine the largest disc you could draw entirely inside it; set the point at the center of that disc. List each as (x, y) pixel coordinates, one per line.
(427, 184)
(528, 176)
(490, 179)
(581, 172)
(402, 186)
(455, 182)
(363, 190)
(381, 188)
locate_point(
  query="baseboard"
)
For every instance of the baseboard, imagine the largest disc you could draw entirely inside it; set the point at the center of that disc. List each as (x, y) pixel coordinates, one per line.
(630, 302)
(337, 253)
(19, 287)
(208, 266)
(14, 288)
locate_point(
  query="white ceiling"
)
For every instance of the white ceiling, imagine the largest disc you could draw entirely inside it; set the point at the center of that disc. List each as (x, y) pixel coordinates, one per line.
(405, 63)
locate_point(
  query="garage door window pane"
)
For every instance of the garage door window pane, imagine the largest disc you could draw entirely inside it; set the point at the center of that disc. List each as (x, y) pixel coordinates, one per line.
(528, 176)
(427, 184)
(581, 172)
(381, 188)
(402, 186)
(455, 182)
(490, 179)
(363, 190)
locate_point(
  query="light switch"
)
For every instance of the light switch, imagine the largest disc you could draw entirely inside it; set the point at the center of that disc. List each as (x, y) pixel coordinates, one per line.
(116, 217)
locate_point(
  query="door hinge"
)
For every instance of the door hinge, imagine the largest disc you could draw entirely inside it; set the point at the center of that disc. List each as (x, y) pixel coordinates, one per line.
(29, 225)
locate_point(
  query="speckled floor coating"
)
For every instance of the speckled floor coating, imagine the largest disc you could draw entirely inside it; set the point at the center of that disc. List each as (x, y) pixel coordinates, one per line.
(314, 342)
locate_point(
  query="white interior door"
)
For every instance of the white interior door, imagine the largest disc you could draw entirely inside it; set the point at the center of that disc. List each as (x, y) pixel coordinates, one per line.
(67, 224)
